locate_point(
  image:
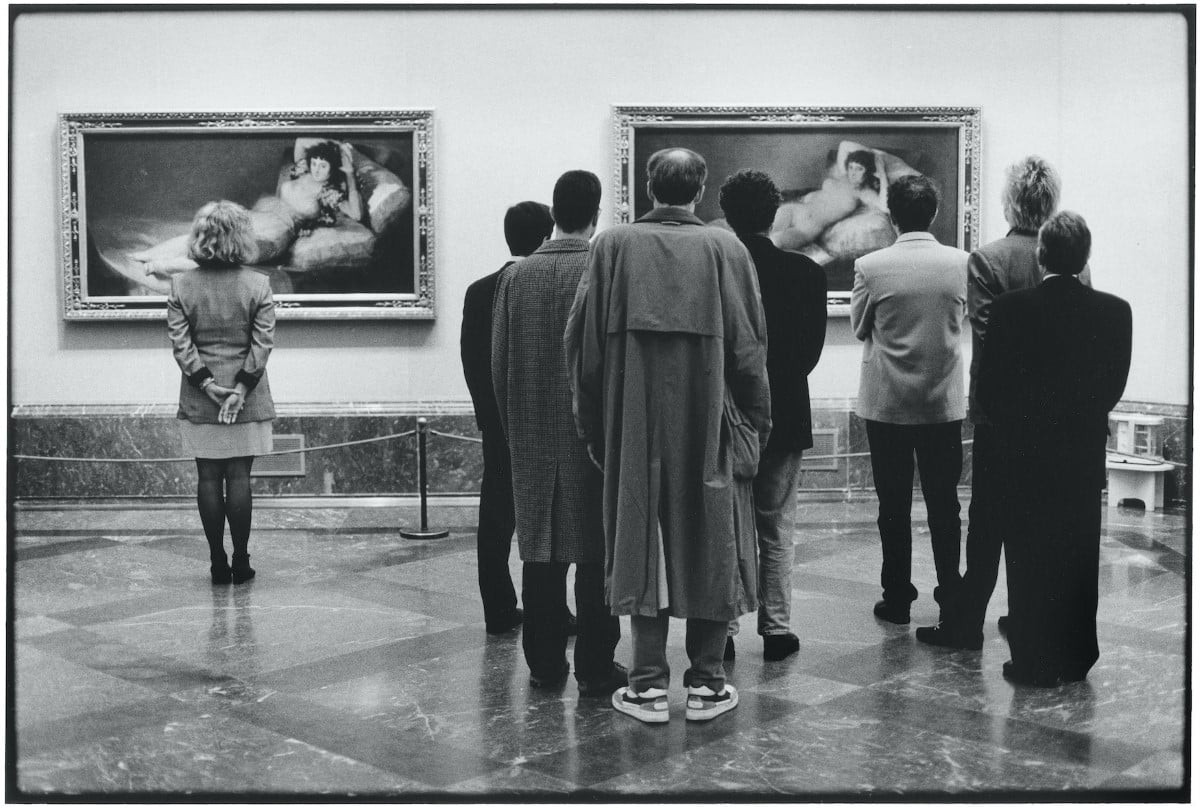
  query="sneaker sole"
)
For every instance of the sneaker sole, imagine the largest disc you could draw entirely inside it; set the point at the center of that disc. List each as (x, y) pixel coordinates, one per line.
(634, 711)
(709, 713)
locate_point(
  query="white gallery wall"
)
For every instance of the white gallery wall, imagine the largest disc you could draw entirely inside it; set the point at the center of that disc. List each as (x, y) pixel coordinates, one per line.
(519, 96)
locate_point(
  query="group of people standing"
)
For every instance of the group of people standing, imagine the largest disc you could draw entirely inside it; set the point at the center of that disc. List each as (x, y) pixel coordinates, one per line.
(643, 399)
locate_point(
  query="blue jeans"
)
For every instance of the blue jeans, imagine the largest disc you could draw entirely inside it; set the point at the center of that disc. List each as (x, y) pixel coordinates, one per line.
(774, 518)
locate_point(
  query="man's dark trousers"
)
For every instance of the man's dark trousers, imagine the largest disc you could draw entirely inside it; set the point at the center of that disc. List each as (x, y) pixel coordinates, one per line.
(497, 521)
(984, 536)
(544, 637)
(938, 450)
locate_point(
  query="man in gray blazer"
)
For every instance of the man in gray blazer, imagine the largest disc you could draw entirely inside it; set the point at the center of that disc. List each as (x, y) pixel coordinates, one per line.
(908, 306)
(1031, 192)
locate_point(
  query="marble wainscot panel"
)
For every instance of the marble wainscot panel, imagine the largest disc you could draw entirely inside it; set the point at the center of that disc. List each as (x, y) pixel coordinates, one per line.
(387, 467)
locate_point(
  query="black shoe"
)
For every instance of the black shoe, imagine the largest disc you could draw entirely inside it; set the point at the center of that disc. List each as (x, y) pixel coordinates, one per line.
(730, 651)
(779, 646)
(893, 612)
(1002, 624)
(572, 625)
(943, 636)
(1021, 677)
(220, 575)
(506, 622)
(556, 679)
(617, 677)
(241, 570)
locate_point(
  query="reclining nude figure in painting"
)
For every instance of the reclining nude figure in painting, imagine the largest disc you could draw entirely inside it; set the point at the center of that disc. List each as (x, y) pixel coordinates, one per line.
(317, 193)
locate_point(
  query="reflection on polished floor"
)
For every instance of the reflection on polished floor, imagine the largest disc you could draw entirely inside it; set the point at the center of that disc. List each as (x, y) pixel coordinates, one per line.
(357, 664)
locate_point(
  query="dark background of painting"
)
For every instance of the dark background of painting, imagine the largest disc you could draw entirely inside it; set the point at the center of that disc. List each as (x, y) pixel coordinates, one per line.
(169, 175)
(797, 158)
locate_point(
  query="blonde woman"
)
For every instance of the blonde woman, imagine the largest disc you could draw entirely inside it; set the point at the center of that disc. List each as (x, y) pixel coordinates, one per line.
(221, 321)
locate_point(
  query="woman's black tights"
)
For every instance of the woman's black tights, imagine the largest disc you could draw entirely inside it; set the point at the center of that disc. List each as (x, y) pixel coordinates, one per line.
(223, 494)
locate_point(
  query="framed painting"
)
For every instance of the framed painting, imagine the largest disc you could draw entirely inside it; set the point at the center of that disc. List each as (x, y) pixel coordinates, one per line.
(340, 206)
(831, 164)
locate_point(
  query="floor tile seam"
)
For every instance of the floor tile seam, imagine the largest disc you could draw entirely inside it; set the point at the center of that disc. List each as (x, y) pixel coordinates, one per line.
(1116, 747)
(158, 684)
(47, 736)
(343, 744)
(280, 677)
(690, 745)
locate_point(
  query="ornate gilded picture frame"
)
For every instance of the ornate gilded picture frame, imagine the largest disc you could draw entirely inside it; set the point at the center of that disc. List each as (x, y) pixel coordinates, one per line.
(832, 165)
(351, 239)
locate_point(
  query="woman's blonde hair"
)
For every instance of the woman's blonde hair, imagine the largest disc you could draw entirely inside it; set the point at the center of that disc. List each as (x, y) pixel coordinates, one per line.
(221, 234)
(1031, 192)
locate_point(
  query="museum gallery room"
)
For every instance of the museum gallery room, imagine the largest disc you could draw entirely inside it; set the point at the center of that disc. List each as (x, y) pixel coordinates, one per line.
(371, 156)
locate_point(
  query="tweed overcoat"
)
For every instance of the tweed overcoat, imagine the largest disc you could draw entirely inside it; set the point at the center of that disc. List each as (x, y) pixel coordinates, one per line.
(221, 322)
(556, 488)
(667, 318)
(908, 306)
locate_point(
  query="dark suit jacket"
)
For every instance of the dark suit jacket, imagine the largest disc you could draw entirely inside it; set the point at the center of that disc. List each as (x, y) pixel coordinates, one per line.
(476, 349)
(793, 296)
(1054, 365)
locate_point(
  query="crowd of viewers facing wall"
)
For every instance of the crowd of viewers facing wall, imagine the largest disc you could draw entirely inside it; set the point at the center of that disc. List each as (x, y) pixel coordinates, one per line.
(643, 401)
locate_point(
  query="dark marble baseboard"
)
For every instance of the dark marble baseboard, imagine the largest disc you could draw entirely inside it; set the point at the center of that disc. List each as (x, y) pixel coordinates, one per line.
(386, 467)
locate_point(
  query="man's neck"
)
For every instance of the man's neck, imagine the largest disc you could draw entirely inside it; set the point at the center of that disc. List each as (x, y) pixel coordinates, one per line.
(584, 234)
(689, 207)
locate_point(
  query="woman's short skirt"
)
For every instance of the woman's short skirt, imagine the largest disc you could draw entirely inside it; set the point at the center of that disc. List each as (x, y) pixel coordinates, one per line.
(221, 441)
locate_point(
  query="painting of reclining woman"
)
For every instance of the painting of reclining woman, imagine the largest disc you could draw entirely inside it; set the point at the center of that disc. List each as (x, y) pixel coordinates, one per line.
(833, 175)
(332, 213)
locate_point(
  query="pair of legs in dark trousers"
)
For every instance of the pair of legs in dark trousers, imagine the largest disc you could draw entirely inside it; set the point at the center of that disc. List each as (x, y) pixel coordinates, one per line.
(938, 451)
(223, 495)
(493, 541)
(544, 637)
(985, 538)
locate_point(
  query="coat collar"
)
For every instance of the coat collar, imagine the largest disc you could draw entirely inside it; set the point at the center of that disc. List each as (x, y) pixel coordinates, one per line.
(561, 245)
(671, 215)
(915, 236)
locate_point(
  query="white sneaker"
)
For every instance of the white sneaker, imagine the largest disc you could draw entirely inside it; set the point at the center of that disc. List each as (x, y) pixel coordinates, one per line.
(650, 705)
(703, 704)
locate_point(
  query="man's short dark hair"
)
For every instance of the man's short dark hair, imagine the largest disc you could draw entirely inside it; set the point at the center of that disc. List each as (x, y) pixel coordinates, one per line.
(749, 200)
(526, 226)
(676, 175)
(913, 202)
(576, 200)
(1064, 243)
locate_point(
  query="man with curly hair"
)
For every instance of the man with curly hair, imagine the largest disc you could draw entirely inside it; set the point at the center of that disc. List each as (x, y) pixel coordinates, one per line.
(793, 290)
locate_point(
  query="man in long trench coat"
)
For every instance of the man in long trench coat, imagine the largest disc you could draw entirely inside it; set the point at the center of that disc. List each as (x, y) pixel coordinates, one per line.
(666, 344)
(556, 489)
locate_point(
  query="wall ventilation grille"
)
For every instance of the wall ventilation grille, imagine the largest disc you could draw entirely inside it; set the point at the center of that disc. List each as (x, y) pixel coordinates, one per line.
(825, 442)
(287, 465)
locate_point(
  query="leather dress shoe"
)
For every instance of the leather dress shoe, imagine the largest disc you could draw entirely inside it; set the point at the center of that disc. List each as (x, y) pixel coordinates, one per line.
(779, 646)
(1022, 677)
(944, 635)
(617, 677)
(893, 612)
(505, 623)
(552, 679)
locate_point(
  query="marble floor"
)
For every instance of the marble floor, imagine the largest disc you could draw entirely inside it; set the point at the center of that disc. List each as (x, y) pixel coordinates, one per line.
(356, 664)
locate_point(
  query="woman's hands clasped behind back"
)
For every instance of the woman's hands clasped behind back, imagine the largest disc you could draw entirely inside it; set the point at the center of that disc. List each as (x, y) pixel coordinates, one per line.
(229, 399)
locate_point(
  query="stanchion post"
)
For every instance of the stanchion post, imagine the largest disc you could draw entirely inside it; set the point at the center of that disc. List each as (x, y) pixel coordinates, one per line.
(423, 488)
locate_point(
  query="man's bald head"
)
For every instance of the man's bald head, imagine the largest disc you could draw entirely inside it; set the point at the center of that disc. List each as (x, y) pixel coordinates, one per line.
(676, 176)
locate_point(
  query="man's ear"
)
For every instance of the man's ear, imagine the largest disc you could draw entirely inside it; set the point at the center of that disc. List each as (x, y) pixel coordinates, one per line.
(699, 195)
(650, 194)
(596, 218)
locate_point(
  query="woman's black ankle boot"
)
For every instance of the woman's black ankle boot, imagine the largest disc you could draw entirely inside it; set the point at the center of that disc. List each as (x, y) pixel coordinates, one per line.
(241, 570)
